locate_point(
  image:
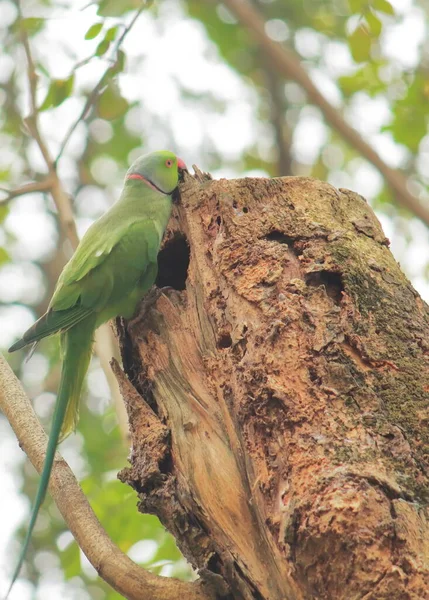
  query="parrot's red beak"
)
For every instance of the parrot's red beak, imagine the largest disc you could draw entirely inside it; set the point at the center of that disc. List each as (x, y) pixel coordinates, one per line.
(181, 165)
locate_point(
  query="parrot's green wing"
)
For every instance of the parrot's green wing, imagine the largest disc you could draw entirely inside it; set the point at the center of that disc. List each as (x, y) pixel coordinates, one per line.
(104, 279)
(103, 269)
(51, 322)
(72, 300)
(95, 247)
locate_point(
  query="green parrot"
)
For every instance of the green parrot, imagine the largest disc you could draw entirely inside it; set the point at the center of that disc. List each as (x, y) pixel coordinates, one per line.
(114, 265)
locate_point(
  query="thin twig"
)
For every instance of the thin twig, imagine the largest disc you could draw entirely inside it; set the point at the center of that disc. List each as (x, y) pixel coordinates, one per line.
(116, 568)
(105, 347)
(92, 98)
(59, 195)
(278, 105)
(288, 64)
(277, 112)
(28, 188)
(32, 120)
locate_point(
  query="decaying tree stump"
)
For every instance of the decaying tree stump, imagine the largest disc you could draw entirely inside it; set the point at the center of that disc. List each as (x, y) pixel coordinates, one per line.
(278, 396)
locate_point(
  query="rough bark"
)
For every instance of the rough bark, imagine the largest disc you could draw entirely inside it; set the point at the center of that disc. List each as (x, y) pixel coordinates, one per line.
(278, 397)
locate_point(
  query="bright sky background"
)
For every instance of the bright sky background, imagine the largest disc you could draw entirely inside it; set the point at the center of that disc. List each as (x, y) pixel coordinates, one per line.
(164, 52)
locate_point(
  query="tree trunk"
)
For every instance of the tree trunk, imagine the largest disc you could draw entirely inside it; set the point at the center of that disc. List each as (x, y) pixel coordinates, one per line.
(283, 436)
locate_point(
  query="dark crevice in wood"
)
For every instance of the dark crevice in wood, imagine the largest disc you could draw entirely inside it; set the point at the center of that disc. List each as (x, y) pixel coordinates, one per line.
(173, 263)
(128, 351)
(280, 238)
(331, 281)
(224, 341)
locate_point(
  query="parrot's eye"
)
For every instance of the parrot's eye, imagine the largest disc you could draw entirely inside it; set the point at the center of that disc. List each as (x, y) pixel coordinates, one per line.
(168, 163)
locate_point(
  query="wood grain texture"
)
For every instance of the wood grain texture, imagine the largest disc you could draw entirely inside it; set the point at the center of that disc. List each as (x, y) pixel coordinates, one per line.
(286, 446)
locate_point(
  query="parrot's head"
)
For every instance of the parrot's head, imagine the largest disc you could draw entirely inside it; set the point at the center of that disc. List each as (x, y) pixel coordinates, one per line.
(159, 170)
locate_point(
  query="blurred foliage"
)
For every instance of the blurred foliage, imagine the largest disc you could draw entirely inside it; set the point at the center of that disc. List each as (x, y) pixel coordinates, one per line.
(188, 77)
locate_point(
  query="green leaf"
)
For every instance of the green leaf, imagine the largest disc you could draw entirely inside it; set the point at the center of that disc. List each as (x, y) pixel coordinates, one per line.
(365, 79)
(111, 33)
(4, 211)
(358, 6)
(43, 70)
(374, 23)
(32, 25)
(411, 115)
(93, 31)
(119, 63)
(70, 560)
(4, 256)
(383, 6)
(116, 8)
(102, 47)
(111, 104)
(360, 44)
(58, 91)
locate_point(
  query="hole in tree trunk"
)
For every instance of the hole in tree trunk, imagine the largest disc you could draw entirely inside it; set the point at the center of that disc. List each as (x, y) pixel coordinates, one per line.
(224, 341)
(332, 282)
(173, 263)
(282, 238)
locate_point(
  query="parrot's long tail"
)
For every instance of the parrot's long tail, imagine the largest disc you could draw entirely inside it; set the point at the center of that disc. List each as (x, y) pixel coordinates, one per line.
(76, 345)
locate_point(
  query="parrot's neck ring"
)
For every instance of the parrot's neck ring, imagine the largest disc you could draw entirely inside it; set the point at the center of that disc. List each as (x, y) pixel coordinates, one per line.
(148, 182)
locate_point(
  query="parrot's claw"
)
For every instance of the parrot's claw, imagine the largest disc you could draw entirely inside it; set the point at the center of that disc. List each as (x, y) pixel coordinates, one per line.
(166, 288)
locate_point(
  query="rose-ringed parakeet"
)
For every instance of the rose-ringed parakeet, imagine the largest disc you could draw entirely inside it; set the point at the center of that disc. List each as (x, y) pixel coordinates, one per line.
(114, 265)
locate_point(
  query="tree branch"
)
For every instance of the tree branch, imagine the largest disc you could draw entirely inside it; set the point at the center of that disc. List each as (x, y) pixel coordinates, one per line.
(277, 115)
(127, 578)
(288, 64)
(106, 348)
(278, 105)
(59, 195)
(28, 188)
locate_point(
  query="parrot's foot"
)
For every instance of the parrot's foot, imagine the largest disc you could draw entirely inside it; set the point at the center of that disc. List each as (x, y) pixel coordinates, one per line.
(166, 288)
(146, 304)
